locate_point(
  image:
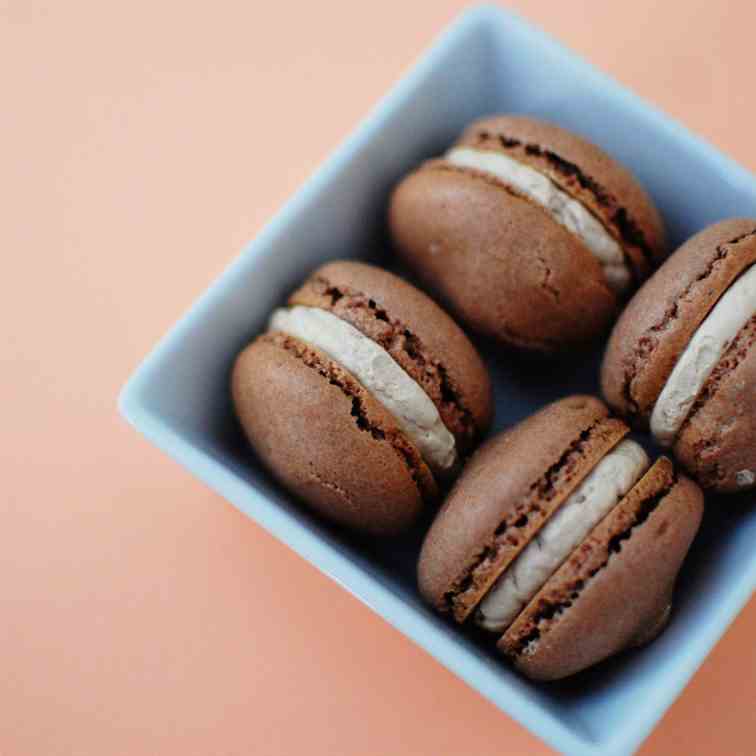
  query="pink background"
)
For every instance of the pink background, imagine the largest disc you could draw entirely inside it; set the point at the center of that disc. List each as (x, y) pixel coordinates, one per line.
(142, 144)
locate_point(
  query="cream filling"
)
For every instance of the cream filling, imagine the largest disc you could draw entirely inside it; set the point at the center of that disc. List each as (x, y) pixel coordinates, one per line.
(596, 496)
(710, 341)
(380, 374)
(565, 210)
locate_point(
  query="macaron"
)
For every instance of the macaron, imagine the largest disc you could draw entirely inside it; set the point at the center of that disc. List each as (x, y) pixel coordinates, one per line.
(562, 540)
(530, 234)
(681, 359)
(363, 397)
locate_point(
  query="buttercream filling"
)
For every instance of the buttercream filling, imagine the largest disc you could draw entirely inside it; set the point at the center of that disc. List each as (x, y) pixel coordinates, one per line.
(594, 498)
(694, 366)
(380, 374)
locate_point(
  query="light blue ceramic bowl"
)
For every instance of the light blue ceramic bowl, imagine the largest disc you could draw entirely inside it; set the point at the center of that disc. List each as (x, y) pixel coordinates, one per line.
(488, 61)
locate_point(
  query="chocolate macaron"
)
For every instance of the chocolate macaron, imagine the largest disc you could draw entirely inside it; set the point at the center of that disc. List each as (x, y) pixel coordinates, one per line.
(363, 397)
(682, 357)
(530, 234)
(562, 539)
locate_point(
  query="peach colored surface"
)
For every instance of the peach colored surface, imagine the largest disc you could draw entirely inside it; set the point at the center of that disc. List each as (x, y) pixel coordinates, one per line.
(142, 144)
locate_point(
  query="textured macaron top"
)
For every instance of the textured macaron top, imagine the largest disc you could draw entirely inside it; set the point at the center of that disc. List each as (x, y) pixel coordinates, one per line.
(659, 322)
(416, 332)
(584, 171)
(495, 508)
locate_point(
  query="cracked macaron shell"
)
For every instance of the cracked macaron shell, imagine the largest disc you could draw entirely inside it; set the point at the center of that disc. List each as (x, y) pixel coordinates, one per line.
(417, 333)
(615, 590)
(517, 480)
(326, 439)
(498, 260)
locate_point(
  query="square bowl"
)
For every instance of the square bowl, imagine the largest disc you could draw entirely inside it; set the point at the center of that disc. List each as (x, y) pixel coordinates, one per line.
(487, 61)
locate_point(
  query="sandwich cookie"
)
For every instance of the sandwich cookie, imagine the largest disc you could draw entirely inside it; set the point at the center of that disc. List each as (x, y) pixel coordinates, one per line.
(562, 539)
(531, 234)
(362, 397)
(681, 360)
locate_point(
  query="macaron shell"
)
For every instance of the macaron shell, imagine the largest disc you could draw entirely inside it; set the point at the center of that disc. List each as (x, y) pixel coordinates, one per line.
(660, 320)
(501, 264)
(576, 165)
(615, 591)
(326, 438)
(517, 479)
(417, 333)
(717, 443)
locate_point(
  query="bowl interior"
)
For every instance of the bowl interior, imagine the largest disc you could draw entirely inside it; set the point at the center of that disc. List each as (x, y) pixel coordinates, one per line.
(489, 62)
